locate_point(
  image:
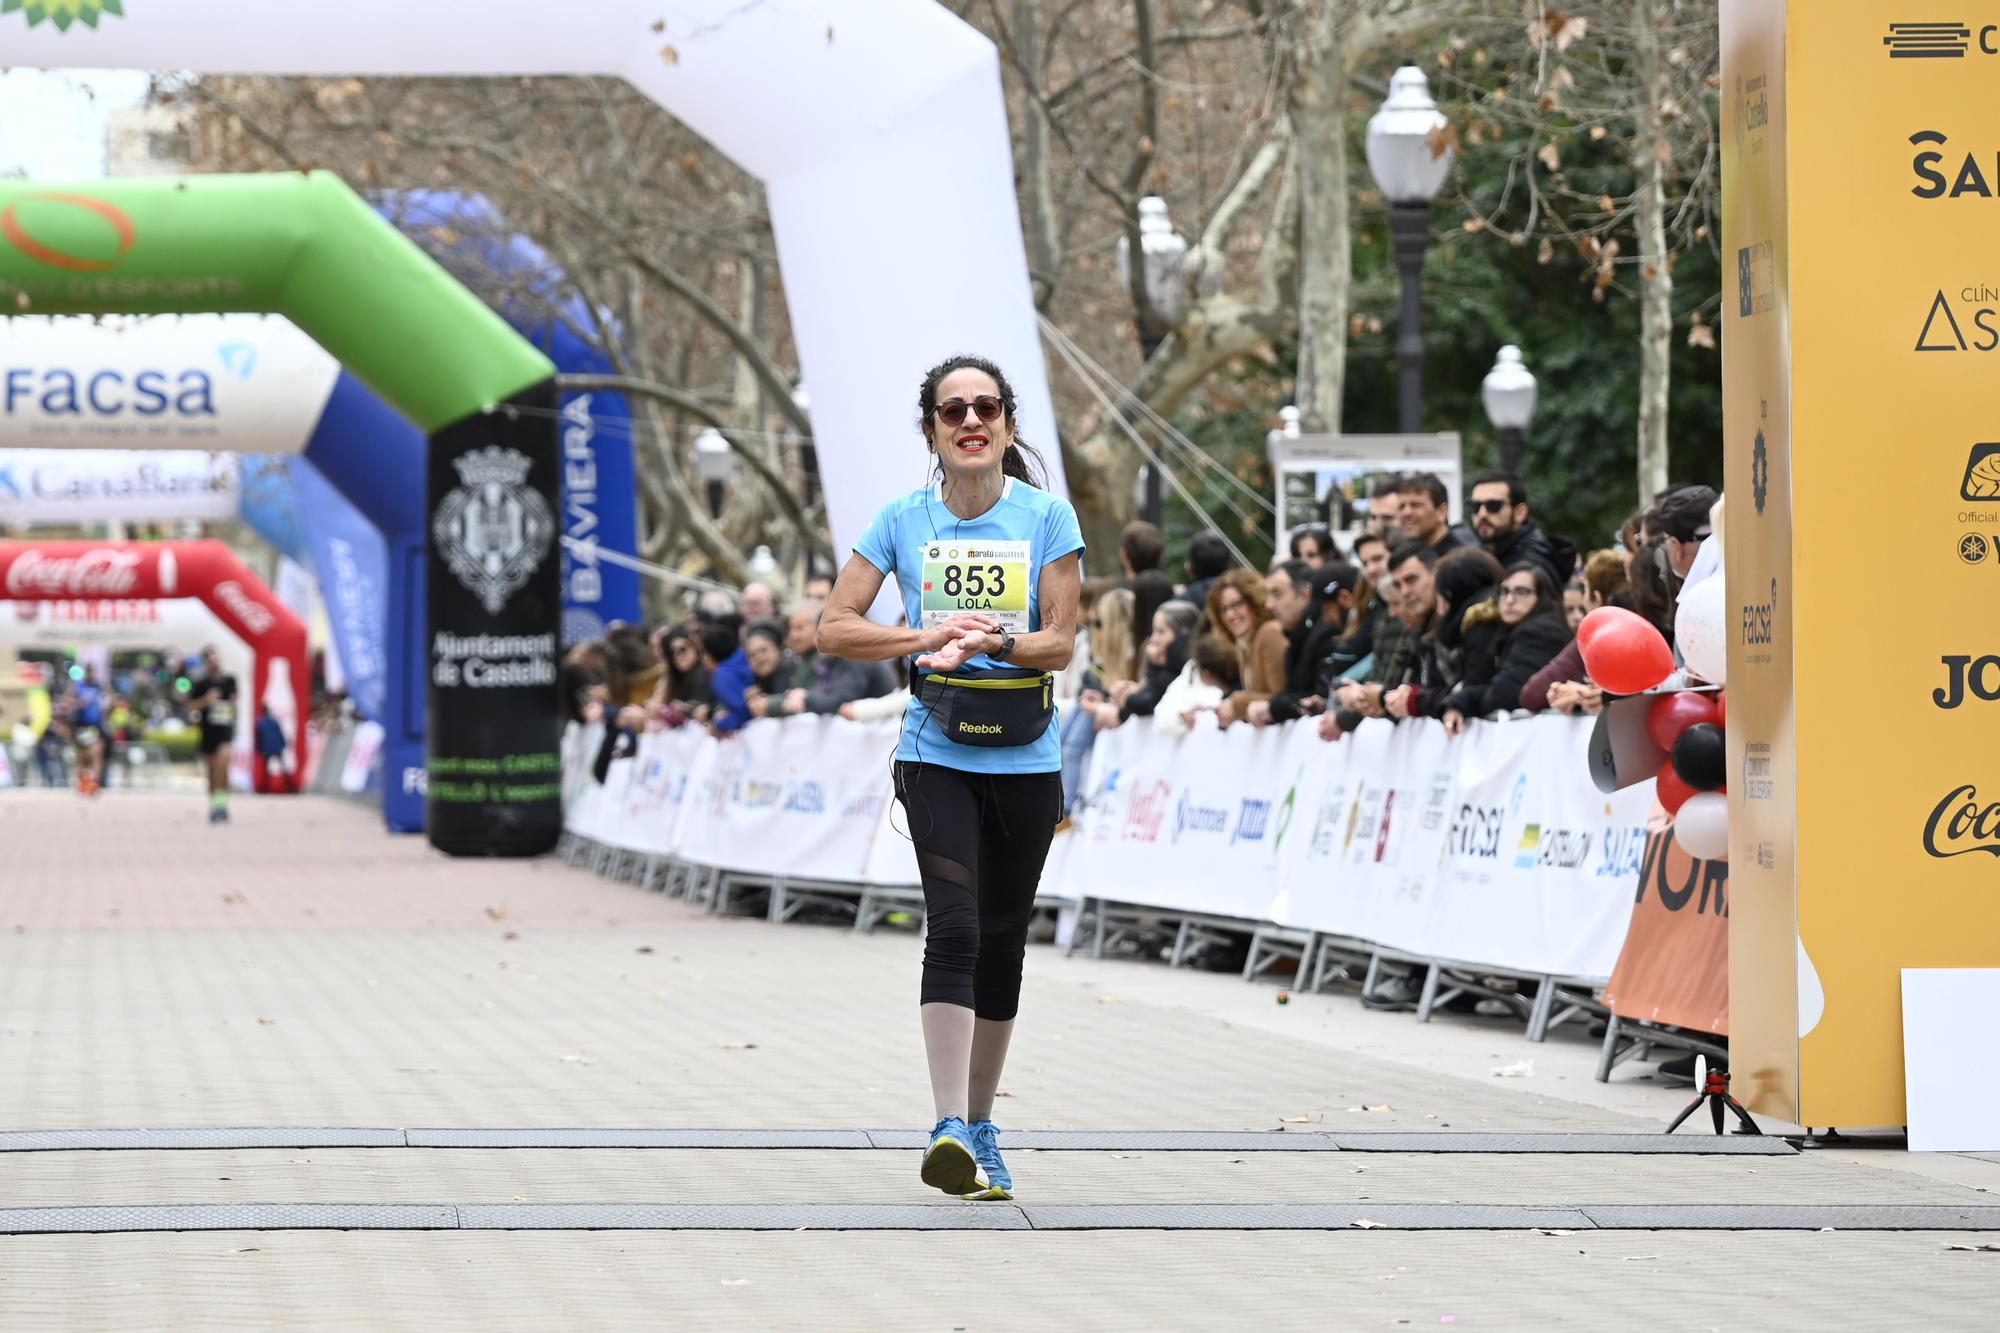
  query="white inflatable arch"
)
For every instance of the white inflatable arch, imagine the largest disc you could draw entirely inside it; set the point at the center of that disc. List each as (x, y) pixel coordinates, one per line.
(878, 128)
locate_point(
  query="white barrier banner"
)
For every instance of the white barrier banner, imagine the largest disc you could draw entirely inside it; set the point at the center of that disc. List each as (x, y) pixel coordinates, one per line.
(65, 486)
(800, 797)
(648, 818)
(1544, 873)
(1192, 824)
(1491, 848)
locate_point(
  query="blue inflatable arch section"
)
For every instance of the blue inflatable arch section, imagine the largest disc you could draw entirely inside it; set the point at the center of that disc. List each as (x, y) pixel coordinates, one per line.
(370, 557)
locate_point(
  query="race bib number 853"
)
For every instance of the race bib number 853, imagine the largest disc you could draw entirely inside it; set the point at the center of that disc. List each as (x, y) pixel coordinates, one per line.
(988, 577)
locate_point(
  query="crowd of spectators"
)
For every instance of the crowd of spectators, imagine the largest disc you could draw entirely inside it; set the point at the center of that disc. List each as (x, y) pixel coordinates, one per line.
(1414, 615)
(734, 657)
(1419, 616)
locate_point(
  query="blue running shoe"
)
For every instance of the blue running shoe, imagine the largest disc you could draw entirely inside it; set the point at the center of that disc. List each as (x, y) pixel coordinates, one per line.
(950, 1163)
(986, 1147)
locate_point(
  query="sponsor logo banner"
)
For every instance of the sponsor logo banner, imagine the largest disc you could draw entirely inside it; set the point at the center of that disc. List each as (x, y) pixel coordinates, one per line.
(238, 383)
(63, 486)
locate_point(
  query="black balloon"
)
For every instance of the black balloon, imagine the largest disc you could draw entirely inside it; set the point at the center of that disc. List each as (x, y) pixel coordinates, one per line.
(1701, 757)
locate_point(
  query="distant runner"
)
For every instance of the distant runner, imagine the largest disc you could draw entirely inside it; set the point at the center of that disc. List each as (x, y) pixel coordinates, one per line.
(213, 704)
(87, 732)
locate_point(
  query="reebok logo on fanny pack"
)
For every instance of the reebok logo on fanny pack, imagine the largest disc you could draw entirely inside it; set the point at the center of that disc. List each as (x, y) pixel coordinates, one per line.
(981, 729)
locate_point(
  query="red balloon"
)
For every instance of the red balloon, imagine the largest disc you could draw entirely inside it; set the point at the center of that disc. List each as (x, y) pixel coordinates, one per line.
(1722, 709)
(1673, 793)
(1623, 651)
(1671, 714)
(1592, 625)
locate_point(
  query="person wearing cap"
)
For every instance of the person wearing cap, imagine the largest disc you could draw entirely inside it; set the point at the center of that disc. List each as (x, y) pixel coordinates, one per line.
(1346, 640)
(1681, 517)
(1324, 599)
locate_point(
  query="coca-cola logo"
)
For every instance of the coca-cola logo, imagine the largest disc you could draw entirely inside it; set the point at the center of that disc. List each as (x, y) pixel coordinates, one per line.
(254, 614)
(99, 573)
(1960, 824)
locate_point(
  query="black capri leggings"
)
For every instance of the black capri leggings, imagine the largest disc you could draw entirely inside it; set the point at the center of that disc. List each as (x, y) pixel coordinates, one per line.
(981, 841)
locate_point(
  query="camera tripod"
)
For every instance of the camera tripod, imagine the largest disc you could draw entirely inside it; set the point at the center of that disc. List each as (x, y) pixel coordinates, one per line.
(1712, 1087)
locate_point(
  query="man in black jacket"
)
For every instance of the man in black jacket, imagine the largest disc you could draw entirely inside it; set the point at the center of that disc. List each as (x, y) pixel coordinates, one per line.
(1500, 517)
(1293, 590)
(1331, 651)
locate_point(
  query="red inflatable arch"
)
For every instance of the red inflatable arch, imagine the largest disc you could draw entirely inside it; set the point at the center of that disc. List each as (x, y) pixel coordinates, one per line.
(105, 571)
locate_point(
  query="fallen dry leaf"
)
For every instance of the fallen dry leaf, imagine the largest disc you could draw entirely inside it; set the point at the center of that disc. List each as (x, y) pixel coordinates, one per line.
(736, 1282)
(1365, 1224)
(1383, 1107)
(511, 935)
(496, 914)
(644, 948)
(576, 1060)
(737, 1045)
(1296, 1119)
(1519, 1069)
(1973, 1248)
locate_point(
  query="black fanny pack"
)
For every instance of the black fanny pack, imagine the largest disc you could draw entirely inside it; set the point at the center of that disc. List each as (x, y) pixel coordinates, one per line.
(1004, 707)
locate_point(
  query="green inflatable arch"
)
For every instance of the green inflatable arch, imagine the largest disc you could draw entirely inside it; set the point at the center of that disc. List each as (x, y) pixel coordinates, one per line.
(305, 246)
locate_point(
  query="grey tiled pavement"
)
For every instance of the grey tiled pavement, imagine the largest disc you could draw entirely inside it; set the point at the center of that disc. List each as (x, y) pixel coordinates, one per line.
(301, 968)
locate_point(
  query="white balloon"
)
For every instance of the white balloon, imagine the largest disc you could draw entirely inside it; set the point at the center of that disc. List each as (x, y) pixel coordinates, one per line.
(1702, 826)
(1701, 629)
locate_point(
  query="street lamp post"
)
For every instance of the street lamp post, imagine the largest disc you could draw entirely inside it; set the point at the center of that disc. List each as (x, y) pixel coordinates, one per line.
(1409, 159)
(1163, 250)
(716, 461)
(1509, 394)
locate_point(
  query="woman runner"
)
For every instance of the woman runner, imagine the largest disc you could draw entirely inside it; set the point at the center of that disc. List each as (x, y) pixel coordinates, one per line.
(990, 568)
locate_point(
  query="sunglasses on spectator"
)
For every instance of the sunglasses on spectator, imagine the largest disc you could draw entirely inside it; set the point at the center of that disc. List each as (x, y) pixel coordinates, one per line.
(986, 406)
(1490, 506)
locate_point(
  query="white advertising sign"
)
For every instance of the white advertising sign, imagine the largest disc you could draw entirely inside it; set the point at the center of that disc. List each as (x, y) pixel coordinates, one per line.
(241, 383)
(68, 486)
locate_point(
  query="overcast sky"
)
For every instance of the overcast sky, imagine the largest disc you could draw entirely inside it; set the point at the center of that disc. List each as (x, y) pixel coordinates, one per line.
(52, 121)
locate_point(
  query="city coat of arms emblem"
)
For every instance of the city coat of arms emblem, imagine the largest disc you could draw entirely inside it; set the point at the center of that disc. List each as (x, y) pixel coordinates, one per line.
(493, 530)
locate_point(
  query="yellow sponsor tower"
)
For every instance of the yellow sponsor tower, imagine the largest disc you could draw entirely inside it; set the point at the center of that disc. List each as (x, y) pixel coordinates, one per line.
(1861, 203)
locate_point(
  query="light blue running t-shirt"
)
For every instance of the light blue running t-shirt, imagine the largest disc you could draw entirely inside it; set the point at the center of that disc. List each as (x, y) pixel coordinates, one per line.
(993, 562)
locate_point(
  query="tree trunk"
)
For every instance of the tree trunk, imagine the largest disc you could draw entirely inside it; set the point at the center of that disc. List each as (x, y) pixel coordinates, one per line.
(1656, 282)
(1319, 161)
(1038, 211)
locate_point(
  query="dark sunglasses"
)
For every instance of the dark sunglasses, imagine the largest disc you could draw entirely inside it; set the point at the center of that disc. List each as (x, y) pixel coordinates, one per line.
(987, 407)
(1490, 506)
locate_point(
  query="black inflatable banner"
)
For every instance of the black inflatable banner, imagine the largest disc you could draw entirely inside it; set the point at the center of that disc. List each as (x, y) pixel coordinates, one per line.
(494, 768)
